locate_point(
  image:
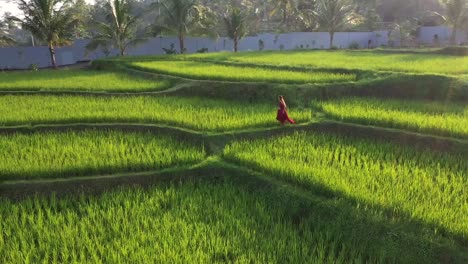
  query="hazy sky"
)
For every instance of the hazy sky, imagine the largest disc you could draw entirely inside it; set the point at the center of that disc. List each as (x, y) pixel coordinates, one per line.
(8, 6)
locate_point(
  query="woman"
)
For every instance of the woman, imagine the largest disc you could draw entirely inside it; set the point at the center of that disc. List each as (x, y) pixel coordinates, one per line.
(282, 114)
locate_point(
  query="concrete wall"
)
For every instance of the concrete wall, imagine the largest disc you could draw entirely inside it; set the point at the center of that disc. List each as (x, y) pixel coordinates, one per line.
(23, 57)
(426, 35)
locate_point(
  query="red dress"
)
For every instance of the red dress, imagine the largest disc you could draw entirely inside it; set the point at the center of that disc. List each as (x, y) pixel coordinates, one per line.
(282, 114)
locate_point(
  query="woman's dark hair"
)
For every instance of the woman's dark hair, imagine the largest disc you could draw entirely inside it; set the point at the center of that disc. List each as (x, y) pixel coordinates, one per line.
(280, 97)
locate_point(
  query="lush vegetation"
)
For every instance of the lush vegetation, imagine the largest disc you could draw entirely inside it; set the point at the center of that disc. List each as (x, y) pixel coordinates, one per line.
(194, 113)
(426, 186)
(448, 119)
(309, 197)
(210, 71)
(79, 80)
(43, 155)
(362, 60)
(205, 222)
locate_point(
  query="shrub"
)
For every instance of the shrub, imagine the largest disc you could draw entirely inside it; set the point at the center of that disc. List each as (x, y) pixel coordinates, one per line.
(171, 50)
(261, 44)
(354, 45)
(33, 67)
(202, 50)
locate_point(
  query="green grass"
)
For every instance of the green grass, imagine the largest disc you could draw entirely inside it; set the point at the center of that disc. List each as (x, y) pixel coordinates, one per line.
(446, 119)
(55, 154)
(360, 60)
(205, 222)
(317, 198)
(78, 80)
(209, 71)
(195, 113)
(426, 186)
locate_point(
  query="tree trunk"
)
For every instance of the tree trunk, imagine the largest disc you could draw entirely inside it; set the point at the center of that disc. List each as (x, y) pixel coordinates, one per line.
(402, 38)
(121, 47)
(52, 55)
(332, 37)
(453, 39)
(236, 42)
(285, 18)
(181, 43)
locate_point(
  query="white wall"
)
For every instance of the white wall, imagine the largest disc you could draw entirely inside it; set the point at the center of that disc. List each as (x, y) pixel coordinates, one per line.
(23, 57)
(426, 35)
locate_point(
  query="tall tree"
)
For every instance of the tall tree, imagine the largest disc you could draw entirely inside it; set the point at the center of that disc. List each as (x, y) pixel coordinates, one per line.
(456, 16)
(234, 21)
(49, 21)
(8, 22)
(5, 38)
(182, 17)
(82, 12)
(119, 30)
(333, 15)
(5, 26)
(287, 8)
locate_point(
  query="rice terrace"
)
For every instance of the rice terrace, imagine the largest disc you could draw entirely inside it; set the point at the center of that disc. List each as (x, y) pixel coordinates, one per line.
(180, 158)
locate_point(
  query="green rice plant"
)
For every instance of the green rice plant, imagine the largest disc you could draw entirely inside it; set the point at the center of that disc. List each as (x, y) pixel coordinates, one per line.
(209, 71)
(54, 154)
(360, 60)
(425, 186)
(194, 113)
(79, 80)
(204, 222)
(446, 119)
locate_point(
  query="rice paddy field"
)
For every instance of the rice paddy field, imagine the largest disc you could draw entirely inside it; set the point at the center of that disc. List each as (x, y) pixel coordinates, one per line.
(428, 187)
(210, 71)
(66, 154)
(180, 175)
(440, 118)
(78, 80)
(361, 60)
(193, 113)
(203, 222)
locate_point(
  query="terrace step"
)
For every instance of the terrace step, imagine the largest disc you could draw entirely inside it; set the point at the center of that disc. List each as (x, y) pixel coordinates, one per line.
(215, 141)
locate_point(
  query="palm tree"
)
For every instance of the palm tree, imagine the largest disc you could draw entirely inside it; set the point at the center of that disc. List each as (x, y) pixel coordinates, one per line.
(333, 15)
(119, 31)
(235, 26)
(5, 39)
(49, 21)
(182, 17)
(456, 16)
(286, 7)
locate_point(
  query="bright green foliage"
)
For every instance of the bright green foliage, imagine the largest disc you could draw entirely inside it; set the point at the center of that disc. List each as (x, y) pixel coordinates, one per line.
(79, 80)
(194, 113)
(51, 21)
(202, 223)
(120, 29)
(425, 186)
(373, 61)
(209, 71)
(448, 119)
(42, 155)
(236, 29)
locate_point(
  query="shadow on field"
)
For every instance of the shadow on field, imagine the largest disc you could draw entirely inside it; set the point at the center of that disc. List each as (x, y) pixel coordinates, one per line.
(285, 222)
(358, 226)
